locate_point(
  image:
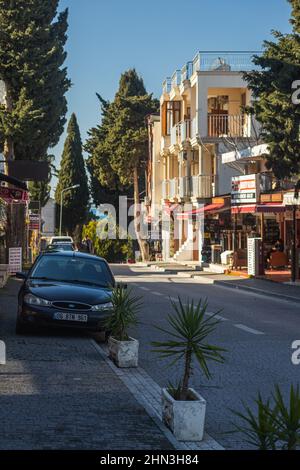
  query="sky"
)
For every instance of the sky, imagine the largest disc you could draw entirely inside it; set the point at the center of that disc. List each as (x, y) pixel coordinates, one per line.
(106, 37)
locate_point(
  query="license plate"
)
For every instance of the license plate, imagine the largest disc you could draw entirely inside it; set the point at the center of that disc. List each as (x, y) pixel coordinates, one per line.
(70, 316)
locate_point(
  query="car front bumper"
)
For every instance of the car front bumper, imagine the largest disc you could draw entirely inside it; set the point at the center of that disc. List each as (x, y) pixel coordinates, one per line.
(44, 317)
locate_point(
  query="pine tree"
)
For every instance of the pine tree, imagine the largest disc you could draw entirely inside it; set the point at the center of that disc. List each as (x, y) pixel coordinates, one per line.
(120, 145)
(273, 107)
(72, 171)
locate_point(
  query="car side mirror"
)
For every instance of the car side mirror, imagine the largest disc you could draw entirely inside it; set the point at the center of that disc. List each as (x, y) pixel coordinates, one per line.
(22, 275)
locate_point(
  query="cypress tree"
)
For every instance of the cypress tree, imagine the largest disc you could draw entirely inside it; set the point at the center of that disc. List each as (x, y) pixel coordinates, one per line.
(32, 39)
(72, 171)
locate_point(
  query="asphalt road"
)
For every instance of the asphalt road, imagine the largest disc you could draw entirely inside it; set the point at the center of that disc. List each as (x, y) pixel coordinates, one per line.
(256, 330)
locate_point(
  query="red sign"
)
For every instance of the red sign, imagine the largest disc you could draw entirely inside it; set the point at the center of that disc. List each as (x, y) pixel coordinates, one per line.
(12, 194)
(34, 222)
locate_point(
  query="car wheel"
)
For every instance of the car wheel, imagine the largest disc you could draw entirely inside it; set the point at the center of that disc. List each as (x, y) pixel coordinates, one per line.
(21, 329)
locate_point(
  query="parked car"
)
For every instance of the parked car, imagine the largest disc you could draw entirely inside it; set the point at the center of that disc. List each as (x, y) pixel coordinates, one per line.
(61, 247)
(65, 289)
(61, 239)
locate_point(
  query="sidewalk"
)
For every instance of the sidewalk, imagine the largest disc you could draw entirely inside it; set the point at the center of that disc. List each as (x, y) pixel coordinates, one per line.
(259, 286)
(57, 392)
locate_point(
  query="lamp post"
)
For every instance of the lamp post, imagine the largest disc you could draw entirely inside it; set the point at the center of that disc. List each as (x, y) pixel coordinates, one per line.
(61, 204)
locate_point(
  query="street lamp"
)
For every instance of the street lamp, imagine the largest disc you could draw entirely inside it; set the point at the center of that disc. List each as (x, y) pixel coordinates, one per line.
(61, 204)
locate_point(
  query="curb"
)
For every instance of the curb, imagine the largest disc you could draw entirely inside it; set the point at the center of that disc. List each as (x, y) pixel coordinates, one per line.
(255, 290)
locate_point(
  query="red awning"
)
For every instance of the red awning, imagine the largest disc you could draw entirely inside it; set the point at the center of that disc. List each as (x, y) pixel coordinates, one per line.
(244, 209)
(205, 209)
(267, 207)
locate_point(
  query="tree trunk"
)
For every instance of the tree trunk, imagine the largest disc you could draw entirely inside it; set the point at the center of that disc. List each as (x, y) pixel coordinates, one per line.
(144, 248)
(15, 230)
(186, 377)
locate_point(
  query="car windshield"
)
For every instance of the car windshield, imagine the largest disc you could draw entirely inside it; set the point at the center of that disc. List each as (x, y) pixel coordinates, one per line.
(61, 247)
(73, 269)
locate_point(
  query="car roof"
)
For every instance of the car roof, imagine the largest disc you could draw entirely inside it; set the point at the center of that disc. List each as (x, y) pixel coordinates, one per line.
(73, 254)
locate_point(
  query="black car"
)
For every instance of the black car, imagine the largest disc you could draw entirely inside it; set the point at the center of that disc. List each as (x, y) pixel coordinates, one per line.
(65, 289)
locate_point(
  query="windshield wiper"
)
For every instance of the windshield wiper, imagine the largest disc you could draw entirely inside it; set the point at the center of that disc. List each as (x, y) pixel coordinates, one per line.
(79, 281)
(43, 278)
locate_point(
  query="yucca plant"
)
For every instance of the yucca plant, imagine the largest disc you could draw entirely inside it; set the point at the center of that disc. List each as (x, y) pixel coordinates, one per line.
(276, 425)
(259, 429)
(124, 313)
(189, 328)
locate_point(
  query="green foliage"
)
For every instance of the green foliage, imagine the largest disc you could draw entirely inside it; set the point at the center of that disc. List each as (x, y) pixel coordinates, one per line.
(119, 144)
(188, 330)
(117, 250)
(273, 107)
(276, 425)
(125, 309)
(32, 55)
(72, 172)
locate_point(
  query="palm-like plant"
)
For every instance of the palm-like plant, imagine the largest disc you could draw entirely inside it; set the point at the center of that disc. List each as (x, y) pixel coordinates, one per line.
(124, 315)
(277, 425)
(188, 331)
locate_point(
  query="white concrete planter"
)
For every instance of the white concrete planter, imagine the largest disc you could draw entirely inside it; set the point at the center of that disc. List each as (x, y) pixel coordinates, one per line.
(124, 353)
(186, 419)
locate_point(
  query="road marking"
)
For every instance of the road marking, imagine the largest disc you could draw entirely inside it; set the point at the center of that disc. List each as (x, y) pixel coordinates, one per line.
(144, 288)
(249, 330)
(216, 316)
(156, 293)
(148, 394)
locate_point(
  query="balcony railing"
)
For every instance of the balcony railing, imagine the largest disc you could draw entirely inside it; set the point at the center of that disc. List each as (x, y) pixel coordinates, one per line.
(202, 186)
(224, 61)
(167, 85)
(164, 143)
(227, 125)
(165, 189)
(187, 71)
(173, 188)
(176, 78)
(181, 132)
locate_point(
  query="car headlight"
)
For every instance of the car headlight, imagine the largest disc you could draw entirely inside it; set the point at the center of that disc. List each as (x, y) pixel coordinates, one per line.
(34, 300)
(99, 307)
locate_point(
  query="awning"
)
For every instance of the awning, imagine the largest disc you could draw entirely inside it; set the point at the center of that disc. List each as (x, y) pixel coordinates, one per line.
(250, 153)
(209, 208)
(268, 207)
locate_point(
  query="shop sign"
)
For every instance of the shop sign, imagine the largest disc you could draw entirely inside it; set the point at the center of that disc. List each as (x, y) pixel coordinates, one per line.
(244, 189)
(34, 221)
(14, 260)
(290, 200)
(12, 194)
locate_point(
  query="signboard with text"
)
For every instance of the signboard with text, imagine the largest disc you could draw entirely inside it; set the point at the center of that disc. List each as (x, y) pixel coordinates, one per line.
(14, 260)
(34, 221)
(244, 189)
(12, 194)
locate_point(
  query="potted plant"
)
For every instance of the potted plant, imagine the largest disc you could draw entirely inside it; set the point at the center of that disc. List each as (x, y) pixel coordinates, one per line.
(183, 409)
(123, 349)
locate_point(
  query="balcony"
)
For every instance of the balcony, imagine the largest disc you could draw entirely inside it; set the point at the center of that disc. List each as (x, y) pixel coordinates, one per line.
(224, 61)
(176, 79)
(220, 125)
(202, 186)
(198, 187)
(181, 132)
(187, 71)
(167, 85)
(164, 143)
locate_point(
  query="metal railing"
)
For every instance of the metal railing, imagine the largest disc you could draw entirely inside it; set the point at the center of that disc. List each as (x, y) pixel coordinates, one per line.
(176, 79)
(187, 71)
(227, 125)
(167, 85)
(224, 61)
